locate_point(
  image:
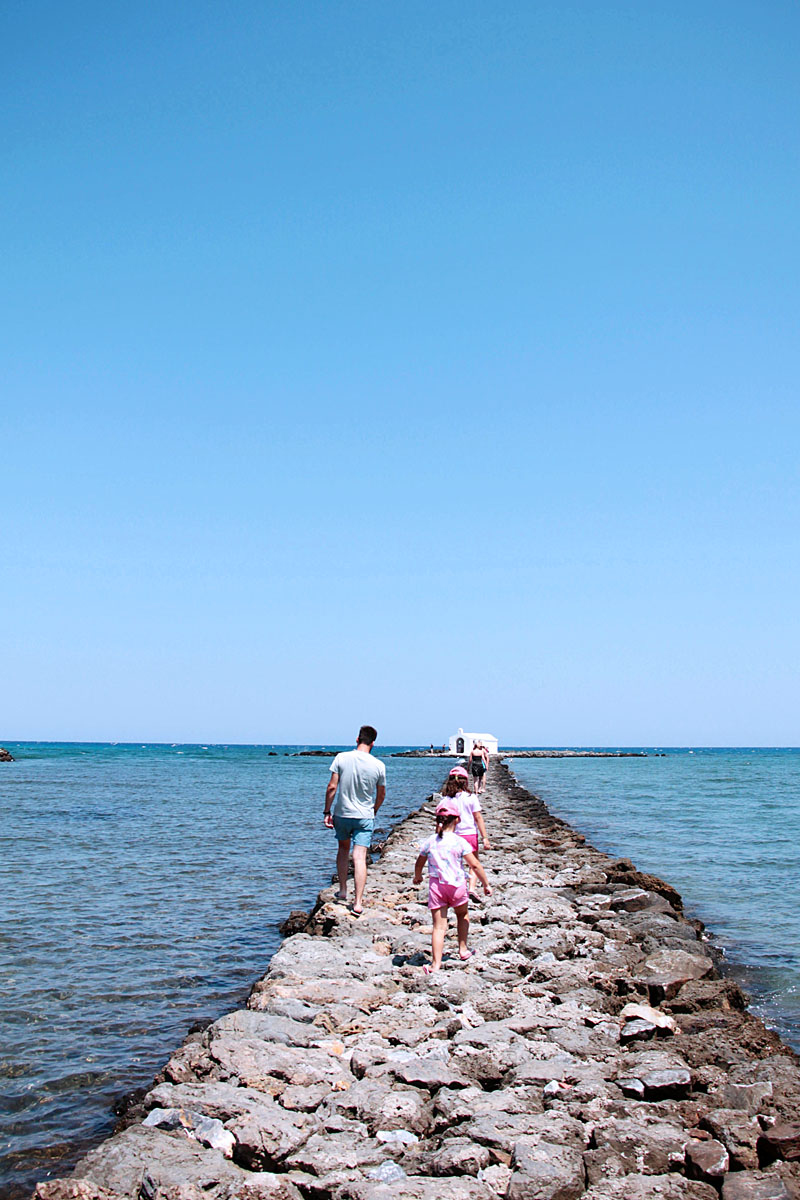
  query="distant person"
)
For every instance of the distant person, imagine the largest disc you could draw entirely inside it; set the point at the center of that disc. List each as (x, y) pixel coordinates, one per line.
(478, 766)
(356, 791)
(446, 854)
(470, 819)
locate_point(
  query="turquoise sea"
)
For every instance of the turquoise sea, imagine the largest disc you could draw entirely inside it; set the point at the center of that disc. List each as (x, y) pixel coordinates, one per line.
(141, 888)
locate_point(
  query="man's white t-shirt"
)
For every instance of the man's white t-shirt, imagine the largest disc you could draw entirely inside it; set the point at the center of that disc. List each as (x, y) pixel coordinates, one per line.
(360, 775)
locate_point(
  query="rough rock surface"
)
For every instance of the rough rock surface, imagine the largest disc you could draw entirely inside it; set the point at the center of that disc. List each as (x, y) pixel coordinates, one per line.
(6, 755)
(588, 1049)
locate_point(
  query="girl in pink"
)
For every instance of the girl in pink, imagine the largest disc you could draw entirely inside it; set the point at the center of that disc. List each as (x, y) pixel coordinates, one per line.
(471, 820)
(446, 853)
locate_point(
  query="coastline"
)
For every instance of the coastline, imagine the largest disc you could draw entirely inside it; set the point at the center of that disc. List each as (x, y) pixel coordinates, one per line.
(519, 1068)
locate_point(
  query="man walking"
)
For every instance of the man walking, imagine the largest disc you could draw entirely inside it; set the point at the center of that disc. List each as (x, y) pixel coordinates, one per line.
(360, 781)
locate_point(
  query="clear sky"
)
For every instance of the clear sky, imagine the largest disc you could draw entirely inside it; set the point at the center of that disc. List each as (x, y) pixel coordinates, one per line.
(421, 364)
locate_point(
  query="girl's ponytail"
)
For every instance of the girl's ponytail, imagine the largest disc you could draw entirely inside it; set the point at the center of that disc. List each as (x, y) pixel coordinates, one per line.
(442, 822)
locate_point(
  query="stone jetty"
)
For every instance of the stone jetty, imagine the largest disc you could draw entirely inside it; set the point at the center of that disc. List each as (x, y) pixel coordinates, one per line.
(590, 1048)
(6, 755)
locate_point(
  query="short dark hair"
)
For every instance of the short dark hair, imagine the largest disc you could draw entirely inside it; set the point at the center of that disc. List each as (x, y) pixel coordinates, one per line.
(367, 735)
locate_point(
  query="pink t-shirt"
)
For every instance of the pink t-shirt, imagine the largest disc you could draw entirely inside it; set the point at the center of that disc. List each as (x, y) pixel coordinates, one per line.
(468, 805)
(445, 857)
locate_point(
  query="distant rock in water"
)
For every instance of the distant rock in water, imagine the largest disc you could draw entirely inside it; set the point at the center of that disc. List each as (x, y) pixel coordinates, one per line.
(6, 755)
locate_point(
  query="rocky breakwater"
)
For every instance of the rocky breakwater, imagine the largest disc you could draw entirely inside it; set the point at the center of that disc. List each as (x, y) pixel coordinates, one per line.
(6, 755)
(589, 1049)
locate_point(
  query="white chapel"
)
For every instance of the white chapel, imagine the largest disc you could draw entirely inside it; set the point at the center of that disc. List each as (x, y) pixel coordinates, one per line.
(462, 743)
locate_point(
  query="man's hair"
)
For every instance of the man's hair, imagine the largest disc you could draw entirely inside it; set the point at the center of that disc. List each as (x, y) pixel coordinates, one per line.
(367, 735)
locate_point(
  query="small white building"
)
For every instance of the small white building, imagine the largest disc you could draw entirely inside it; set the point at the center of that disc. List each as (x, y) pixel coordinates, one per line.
(462, 743)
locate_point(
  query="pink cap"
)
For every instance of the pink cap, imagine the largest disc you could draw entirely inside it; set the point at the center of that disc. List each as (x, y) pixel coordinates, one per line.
(447, 808)
(460, 771)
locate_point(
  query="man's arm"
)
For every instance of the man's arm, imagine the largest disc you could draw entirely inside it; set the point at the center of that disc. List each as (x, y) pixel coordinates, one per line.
(330, 795)
(380, 796)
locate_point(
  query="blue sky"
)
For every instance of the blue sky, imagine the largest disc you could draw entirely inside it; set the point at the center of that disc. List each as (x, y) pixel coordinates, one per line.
(430, 365)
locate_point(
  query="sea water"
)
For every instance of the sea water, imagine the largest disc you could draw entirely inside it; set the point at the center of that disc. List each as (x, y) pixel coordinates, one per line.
(141, 889)
(723, 827)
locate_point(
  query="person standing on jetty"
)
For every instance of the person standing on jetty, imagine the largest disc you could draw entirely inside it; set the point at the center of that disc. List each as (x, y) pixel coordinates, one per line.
(478, 765)
(446, 854)
(360, 781)
(470, 821)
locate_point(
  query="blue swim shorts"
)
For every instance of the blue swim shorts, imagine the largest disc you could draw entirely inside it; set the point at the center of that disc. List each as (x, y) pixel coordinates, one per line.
(355, 829)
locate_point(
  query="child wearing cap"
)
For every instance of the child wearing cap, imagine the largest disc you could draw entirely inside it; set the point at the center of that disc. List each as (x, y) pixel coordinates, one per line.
(470, 819)
(446, 854)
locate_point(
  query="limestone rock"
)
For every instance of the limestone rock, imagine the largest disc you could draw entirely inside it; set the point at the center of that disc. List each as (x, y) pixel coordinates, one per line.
(781, 1141)
(665, 972)
(635, 1145)
(739, 1134)
(749, 1097)
(170, 1160)
(429, 1073)
(417, 1188)
(707, 1160)
(267, 1027)
(263, 1130)
(322, 1154)
(644, 1012)
(651, 1187)
(72, 1189)
(636, 899)
(381, 1106)
(208, 1130)
(543, 1171)
(754, 1185)
(459, 1156)
(655, 1075)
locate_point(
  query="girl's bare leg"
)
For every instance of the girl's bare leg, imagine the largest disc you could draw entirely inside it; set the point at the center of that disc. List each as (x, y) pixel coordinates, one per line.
(473, 878)
(462, 921)
(437, 937)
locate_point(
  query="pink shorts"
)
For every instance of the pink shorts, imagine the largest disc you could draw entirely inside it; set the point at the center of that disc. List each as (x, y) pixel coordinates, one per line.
(446, 895)
(472, 838)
